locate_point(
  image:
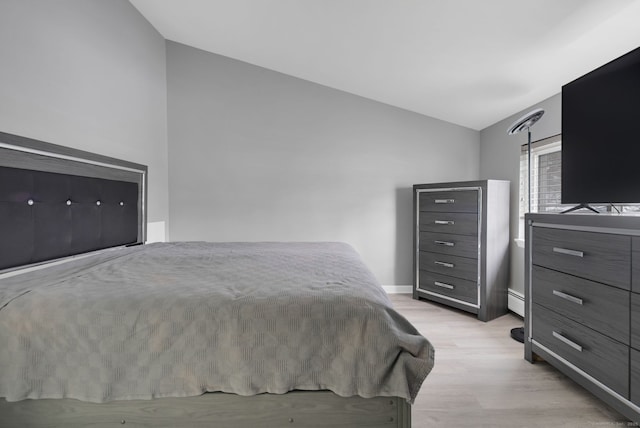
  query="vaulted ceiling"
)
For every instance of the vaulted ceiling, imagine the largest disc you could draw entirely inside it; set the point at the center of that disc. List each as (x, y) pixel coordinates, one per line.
(470, 62)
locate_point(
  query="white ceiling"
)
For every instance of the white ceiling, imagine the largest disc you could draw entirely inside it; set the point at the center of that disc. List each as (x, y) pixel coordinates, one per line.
(470, 62)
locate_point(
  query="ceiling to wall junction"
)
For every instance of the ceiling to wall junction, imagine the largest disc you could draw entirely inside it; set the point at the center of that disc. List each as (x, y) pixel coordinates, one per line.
(468, 62)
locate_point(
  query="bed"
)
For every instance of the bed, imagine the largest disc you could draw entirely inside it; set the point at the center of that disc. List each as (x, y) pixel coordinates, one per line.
(115, 331)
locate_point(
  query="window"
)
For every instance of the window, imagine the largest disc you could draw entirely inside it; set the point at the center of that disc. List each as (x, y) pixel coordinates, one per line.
(546, 162)
(546, 167)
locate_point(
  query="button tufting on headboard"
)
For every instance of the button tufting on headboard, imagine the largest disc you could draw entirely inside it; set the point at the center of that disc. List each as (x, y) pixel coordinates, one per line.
(103, 214)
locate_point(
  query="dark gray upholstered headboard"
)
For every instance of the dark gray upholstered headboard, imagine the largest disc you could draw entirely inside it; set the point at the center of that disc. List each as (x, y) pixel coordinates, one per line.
(57, 202)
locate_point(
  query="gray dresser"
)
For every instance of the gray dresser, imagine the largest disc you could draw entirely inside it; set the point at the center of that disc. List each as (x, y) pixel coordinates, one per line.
(461, 245)
(582, 302)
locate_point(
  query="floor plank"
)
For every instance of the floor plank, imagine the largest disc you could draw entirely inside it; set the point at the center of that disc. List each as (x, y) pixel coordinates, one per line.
(481, 378)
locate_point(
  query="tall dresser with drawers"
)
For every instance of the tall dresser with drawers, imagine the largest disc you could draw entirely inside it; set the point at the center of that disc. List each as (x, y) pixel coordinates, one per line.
(461, 245)
(582, 302)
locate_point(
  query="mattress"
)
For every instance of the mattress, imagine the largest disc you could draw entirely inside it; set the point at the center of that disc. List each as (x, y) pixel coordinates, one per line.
(180, 319)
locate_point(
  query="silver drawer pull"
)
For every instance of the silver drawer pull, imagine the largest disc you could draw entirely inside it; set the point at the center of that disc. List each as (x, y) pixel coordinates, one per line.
(567, 297)
(444, 264)
(447, 222)
(445, 243)
(443, 285)
(563, 339)
(568, 252)
(445, 201)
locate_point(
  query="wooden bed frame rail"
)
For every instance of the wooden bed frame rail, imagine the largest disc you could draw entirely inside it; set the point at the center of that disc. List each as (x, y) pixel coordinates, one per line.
(301, 409)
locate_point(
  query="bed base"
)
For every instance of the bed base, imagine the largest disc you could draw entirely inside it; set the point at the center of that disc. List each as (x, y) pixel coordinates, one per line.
(296, 409)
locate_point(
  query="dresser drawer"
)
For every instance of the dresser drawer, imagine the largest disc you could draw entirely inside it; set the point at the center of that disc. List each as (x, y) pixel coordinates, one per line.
(596, 256)
(635, 377)
(601, 307)
(461, 201)
(635, 263)
(635, 321)
(456, 223)
(445, 264)
(447, 243)
(448, 286)
(602, 357)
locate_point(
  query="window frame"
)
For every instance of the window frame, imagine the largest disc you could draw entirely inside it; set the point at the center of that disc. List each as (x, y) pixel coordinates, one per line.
(541, 147)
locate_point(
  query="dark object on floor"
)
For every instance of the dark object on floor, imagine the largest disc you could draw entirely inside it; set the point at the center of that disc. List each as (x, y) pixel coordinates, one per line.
(518, 334)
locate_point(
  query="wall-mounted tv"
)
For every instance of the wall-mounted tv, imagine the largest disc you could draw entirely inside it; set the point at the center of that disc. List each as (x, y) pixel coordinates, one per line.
(601, 134)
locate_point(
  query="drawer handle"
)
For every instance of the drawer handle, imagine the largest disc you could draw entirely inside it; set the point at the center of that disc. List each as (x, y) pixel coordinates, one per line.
(445, 201)
(446, 222)
(568, 252)
(567, 297)
(443, 285)
(444, 264)
(445, 243)
(571, 343)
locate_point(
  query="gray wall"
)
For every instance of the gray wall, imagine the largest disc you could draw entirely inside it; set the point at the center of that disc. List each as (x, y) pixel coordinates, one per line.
(500, 159)
(88, 74)
(258, 155)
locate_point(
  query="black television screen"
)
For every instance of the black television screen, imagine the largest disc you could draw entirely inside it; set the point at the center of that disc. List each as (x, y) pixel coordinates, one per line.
(601, 134)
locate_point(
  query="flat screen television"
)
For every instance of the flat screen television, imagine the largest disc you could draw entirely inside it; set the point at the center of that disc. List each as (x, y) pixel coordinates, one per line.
(601, 134)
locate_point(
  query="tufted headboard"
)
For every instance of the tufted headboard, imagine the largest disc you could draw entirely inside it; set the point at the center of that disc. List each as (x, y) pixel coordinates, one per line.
(57, 202)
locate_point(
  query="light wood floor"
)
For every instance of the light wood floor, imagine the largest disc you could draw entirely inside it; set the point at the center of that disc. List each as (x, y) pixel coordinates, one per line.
(481, 378)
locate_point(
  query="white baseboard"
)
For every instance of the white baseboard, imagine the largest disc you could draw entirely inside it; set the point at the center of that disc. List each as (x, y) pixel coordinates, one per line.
(516, 302)
(398, 289)
(515, 298)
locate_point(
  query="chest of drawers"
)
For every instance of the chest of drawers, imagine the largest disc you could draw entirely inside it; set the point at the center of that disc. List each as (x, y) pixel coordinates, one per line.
(461, 241)
(582, 303)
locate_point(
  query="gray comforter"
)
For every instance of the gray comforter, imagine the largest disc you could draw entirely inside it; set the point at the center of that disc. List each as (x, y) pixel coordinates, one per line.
(181, 319)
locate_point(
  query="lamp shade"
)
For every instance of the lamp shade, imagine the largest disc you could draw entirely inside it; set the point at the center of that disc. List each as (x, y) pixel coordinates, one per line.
(525, 121)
